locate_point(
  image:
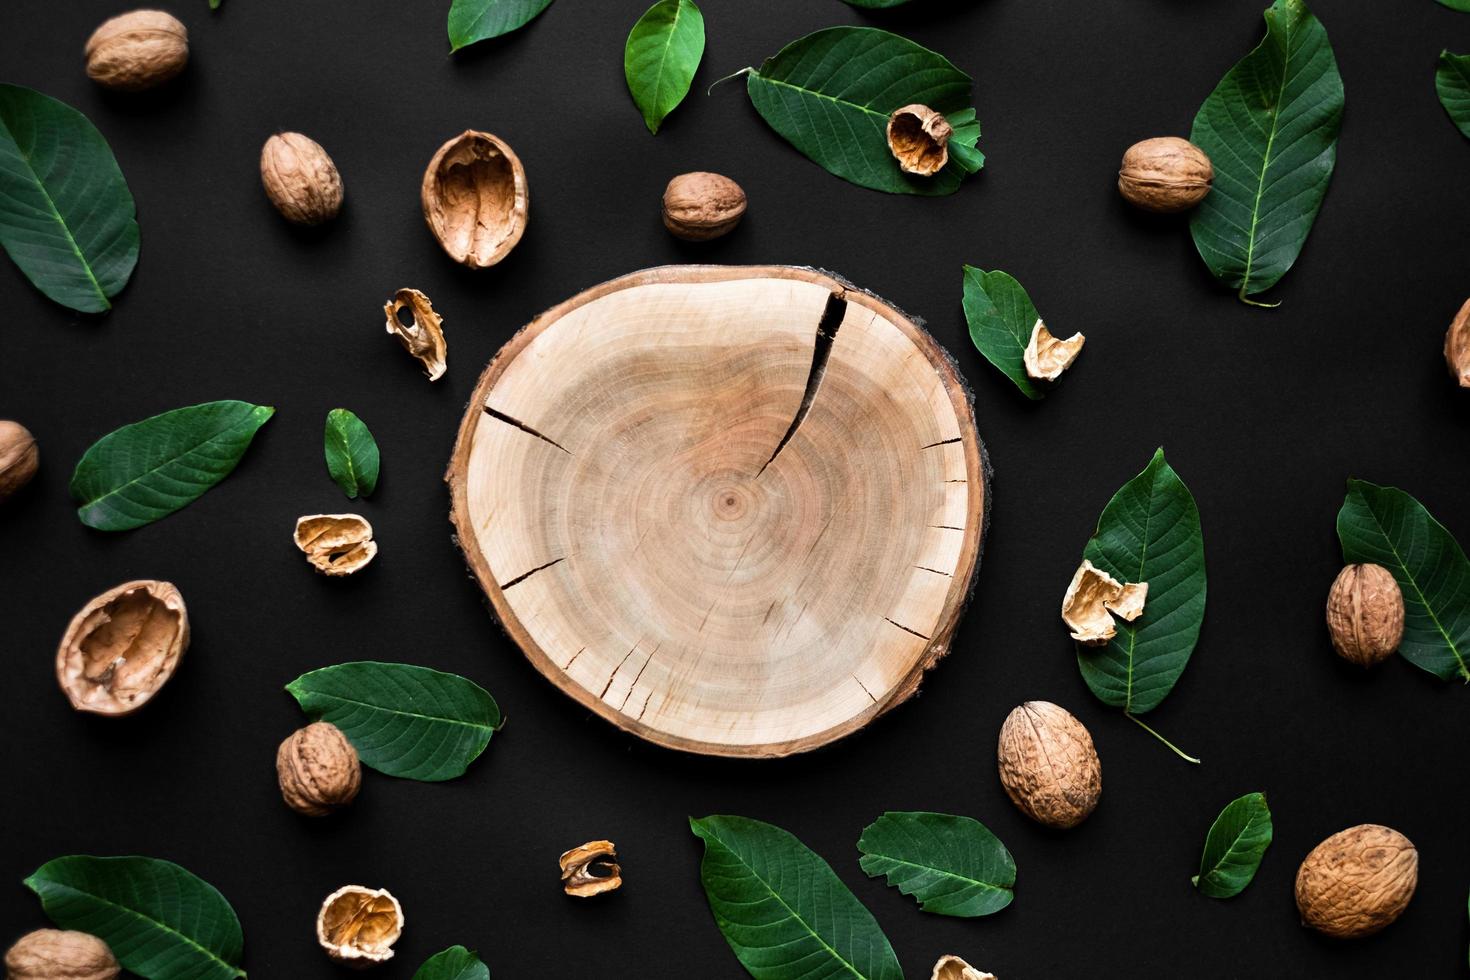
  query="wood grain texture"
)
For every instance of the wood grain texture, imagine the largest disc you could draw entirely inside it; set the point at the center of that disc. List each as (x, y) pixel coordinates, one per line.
(733, 510)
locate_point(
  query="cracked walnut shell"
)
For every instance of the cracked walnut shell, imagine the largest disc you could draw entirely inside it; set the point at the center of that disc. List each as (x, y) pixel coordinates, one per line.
(358, 926)
(60, 954)
(336, 544)
(700, 206)
(918, 138)
(423, 334)
(137, 50)
(1165, 174)
(953, 968)
(1457, 346)
(1046, 357)
(1093, 598)
(1365, 614)
(19, 458)
(1357, 881)
(475, 199)
(318, 770)
(1048, 765)
(123, 647)
(300, 179)
(591, 869)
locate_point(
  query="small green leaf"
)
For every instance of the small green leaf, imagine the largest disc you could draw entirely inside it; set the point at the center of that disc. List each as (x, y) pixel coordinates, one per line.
(352, 453)
(1234, 847)
(1385, 526)
(67, 218)
(1452, 81)
(1001, 317)
(149, 469)
(1461, 5)
(454, 963)
(162, 922)
(405, 721)
(479, 20)
(952, 865)
(214, 4)
(660, 58)
(784, 912)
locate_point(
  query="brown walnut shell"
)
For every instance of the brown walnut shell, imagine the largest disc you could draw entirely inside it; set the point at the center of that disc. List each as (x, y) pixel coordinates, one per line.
(1165, 174)
(1048, 765)
(951, 967)
(318, 770)
(1365, 614)
(699, 206)
(1357, 881)
(336, 544)
(137, 50)
(19, 457)
(423, 335)
(1457, 346)
(300, 179)
(60, 954)
(475, 199)
(358, 926)
(918, 138)
(123, 647)
(591, 869)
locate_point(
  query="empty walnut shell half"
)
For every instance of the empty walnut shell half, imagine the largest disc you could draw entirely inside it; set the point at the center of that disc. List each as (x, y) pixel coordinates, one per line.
(423, 334)
(954, 968)
(918, 138)
(475, 199)
(318, 770)
(1046, 357)
(60, 954)
(123, 647)
(591, 869)
(336, 544)
(1457, 346)
(359, 926)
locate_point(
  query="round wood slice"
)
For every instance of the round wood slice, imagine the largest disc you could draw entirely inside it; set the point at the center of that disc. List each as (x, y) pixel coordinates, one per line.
(732, 510)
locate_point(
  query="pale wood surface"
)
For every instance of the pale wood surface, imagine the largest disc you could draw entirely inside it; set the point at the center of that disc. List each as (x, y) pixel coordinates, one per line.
(717, 524)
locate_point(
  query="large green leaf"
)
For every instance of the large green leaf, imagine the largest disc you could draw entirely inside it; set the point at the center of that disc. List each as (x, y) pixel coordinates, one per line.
(952, 865)
(783, 911)
(162, 922)
(479, 20)
(1452, 81)
(454, 963)
(831, 93)
(1270, 129)
(1149, 532)
(1001, 317)
(1385, 526)
(352, 453)
(1462, 5)
(1234, 847)
(66, 215)
(660, 58)
(150, 469)
(404, 721)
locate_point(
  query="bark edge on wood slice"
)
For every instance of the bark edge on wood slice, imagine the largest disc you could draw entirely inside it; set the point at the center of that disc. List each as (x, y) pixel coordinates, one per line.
(733, 510)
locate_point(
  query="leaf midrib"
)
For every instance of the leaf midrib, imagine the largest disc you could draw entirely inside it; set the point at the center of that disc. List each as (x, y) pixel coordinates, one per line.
(1251, 822)
(663, 57)
(1250, 249)
(948, 874)
(299, 691)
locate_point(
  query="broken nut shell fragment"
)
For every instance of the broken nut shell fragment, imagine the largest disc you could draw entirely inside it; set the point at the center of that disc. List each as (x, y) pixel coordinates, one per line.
(1457, 346)
(1365, 614)
(1093, 598)
(475, 199)
(918, 138)
(318, 770)
(358, 926)
(123, 646)
(423, 335)
(60, 954)
(591, 869)
(1048, 764)
(953, 968)
(1046, 357)
(336, 544)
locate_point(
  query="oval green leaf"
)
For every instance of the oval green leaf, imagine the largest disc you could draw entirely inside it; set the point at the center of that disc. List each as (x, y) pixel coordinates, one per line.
(150, 469)
(1452, 82)
(660, 58)
(1001, 316)
(1149, 532)
(479, 20)
(352, 453)
(454, 963)
(1386, 526)
(1270, 129)
(1460, 5)
(405, 721)
(784, 912)
(67, 218)
(1234, 847)
(830, 95)
(953, 865)
(162, 922)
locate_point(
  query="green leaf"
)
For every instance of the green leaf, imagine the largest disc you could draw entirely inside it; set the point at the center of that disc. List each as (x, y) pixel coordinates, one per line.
(454, 963)
(662, 53)
(1385, 526)
(162, 922)
(214, 4)
(1234, 847)
(67, 218)
(783, 911)
(1461, 5)
(150, 469)
(352, 453)
(1001, 317)
(952, 865)
(876, 4)
(404, 721)
(1452, 81)
(830, 94)
(1270, 129)
(479, 20)
(1149, 532)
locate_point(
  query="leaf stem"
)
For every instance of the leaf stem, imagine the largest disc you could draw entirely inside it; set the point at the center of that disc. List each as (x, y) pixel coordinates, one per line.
(719, 81)
(1242, 296)
(1172, 747)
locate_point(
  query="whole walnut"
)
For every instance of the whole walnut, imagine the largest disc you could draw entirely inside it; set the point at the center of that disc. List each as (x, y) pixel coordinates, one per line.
(1357, 881)
(300, 179)
(57, 954)
(19, 457)
(1365, 614)
(1048, 765)
(318, 770)
(137, 50)
(1165, 174)
(1457, 346)
(699, 206)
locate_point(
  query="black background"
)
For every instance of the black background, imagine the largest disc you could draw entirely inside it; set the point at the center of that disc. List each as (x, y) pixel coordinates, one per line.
(1264, 413)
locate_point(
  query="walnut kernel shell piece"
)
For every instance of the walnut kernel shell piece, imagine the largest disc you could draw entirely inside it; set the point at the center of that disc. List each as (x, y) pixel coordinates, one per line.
(137, 50)
(475, 199)
(1457, 346)
(918, 138)
(359, 925)
(318, 770)
(1365, 614)
(1046, 357)
(1357, 881)
(700, 206)
(300, 179)
(1048, 765)
(60, 954)
(591, 869)
(336, 544)
(123, 647)
(1092, 599)
(19, 458)
(1165, 175)
(953, 968)
(423, 335)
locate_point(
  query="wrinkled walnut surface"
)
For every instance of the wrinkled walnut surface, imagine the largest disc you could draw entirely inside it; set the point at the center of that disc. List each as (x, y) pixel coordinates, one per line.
(123, 647)
(359, 925)
(1365, 614)
(1046, 357)
(1457, 346)
(591, 869)
(336, 544)
(1092, 599)
(318, 770)
(1357, 881)
(137, 50)
(475, 199)
(918, 138)
(59, 954)
(300, 179)
(699, 206)
(1048, 765)
(953, 968)
(423, 335)
(1165, 174)
(19, 457)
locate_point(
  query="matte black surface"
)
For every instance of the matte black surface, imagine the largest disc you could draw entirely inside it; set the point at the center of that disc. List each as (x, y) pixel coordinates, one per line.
(1264, 413)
